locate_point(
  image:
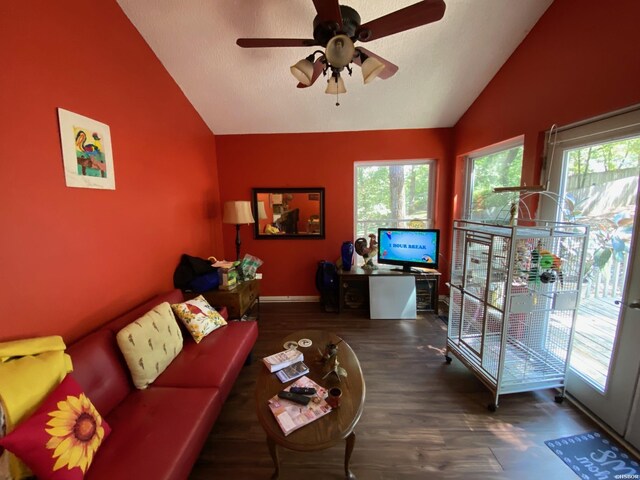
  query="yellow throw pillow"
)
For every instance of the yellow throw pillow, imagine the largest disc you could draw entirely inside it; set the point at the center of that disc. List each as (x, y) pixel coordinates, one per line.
(150, 344)
(199, 317)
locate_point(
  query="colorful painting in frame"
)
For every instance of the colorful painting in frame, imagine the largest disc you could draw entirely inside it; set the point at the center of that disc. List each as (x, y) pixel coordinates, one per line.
(86, 152)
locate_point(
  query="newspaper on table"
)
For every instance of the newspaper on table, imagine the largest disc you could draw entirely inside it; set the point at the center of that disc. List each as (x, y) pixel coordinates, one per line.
(291, 416)
(292, 372)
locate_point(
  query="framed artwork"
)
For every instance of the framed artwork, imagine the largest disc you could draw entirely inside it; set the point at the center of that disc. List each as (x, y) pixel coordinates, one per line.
(86, 152)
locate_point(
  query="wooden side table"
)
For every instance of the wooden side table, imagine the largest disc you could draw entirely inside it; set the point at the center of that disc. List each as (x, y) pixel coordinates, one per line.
(243, 299)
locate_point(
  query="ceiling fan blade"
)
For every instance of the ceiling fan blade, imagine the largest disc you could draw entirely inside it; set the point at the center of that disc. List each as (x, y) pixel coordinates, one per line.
(275, 42)
(329, 10)
(413, 16)
(318, 66)
(390, 69)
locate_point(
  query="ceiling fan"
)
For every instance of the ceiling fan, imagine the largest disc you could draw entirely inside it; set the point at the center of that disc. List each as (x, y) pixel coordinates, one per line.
(336, 28)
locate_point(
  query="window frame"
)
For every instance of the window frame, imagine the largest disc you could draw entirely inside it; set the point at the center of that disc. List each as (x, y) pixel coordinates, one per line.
(469, 160)
(431, 198)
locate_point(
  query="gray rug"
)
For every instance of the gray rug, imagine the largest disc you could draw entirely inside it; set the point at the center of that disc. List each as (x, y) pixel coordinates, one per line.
(595, 456)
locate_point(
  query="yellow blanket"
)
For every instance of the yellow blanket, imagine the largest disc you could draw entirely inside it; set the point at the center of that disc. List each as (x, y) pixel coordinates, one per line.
(30, 346)
(30, 369)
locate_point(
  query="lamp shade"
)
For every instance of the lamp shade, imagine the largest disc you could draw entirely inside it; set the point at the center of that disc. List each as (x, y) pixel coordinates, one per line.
(262, 213)
(237, 212)
(340, 51)
(303, 71)
(371, 68)
(335, 85)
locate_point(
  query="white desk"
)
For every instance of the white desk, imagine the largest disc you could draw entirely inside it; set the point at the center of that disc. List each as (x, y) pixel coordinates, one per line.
(392, 297)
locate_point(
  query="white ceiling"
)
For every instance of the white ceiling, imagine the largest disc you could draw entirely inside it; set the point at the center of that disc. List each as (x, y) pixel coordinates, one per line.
(443, 66)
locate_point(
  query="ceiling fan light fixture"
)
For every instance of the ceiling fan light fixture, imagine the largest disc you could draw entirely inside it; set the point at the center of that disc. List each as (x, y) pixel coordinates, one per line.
(303, 70)
(340, 51)
(371, 68)
(335, 85)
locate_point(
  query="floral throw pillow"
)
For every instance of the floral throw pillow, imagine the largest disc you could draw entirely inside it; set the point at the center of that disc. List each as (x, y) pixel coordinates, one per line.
(61, 438)
(199, 317)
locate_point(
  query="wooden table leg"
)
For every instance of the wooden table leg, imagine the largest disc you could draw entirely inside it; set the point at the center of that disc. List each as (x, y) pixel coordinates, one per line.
(351, 442)
(273, 450)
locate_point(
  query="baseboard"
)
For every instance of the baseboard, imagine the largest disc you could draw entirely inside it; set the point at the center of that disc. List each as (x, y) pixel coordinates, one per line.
(612, 433)
(290, 298)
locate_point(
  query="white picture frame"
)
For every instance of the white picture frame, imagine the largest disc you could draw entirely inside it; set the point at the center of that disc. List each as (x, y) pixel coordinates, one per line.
(86, 152)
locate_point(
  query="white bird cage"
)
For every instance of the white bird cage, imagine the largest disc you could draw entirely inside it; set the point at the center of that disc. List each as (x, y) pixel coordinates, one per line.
(515, 291)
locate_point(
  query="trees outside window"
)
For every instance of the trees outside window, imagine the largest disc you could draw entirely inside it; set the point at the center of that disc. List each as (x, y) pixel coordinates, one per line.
(486, 171)
(393, 194)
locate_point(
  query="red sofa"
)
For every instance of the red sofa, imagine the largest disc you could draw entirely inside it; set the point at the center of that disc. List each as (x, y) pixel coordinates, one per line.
(158, 432)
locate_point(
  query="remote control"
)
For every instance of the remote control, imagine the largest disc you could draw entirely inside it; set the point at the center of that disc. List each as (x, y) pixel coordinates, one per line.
(303, 390)
(294, 397)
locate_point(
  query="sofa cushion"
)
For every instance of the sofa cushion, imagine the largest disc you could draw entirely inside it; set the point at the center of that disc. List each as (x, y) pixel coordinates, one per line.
(157, 433)
(150, 343)
(60, 439)
(214, 362)
(99, 368)
(199, 318)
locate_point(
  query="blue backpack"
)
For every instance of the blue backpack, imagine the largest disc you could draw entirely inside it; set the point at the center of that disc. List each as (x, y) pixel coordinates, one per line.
(326, 277)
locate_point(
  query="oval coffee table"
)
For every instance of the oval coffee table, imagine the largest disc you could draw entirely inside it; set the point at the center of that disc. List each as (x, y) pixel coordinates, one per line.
(330, 429)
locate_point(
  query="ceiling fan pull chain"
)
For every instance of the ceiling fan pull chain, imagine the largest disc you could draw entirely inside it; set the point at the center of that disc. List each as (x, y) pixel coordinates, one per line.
(337, 99)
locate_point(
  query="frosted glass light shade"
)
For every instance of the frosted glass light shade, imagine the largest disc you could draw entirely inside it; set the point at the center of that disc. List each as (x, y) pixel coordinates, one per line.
(237, 212)
(335, 85)
(303, 71)
(340, 51)
(371, 68)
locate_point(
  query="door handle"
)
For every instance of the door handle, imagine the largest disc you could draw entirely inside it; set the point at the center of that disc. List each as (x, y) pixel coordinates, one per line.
(635, 304)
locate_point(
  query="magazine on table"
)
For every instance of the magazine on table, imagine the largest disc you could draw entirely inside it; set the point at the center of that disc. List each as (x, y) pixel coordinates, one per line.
(291, 416)
(283, 359)
(292, 372)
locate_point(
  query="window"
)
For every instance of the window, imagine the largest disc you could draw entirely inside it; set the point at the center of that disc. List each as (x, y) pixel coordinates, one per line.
(488, 169)
(393, 194)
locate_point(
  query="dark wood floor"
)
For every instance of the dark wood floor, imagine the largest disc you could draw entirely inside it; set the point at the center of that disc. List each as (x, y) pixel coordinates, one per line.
(422, 418)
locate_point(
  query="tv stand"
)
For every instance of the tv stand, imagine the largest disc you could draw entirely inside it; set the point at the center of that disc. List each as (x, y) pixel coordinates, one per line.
(354, 288)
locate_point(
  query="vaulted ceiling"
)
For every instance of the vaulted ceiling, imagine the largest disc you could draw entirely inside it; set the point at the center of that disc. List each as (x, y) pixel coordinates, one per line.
(443, 66)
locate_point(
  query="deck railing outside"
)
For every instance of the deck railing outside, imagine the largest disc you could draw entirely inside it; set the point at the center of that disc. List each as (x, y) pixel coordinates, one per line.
(597, 321)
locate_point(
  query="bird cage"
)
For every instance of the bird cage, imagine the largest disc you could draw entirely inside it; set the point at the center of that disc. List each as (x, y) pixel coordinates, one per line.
(515, 291)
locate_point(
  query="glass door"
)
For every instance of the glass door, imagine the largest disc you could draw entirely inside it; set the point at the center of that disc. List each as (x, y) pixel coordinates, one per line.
(594, 172)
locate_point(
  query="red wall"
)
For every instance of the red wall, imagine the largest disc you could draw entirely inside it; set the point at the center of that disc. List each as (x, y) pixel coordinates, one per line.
(268, 210)
(306, 208)
(72, 258)
(324, 160)
(580, 60)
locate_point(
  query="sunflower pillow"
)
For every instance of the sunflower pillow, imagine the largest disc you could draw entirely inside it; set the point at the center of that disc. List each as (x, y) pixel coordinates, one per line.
(198, 317)
(60, 440)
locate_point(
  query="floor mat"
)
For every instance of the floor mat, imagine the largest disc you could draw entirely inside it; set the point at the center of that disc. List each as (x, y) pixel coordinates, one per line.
(595, 456)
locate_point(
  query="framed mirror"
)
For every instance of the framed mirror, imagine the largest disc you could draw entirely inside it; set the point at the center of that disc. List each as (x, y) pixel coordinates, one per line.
(285, 213)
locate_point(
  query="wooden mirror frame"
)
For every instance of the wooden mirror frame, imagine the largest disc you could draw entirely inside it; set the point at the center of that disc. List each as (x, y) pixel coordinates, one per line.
(307, 194)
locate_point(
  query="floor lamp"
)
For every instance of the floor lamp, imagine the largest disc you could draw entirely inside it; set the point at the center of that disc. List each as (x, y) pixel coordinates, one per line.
(237, 212)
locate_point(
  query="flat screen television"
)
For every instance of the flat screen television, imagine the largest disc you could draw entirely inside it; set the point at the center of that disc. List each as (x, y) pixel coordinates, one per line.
(409, 247)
